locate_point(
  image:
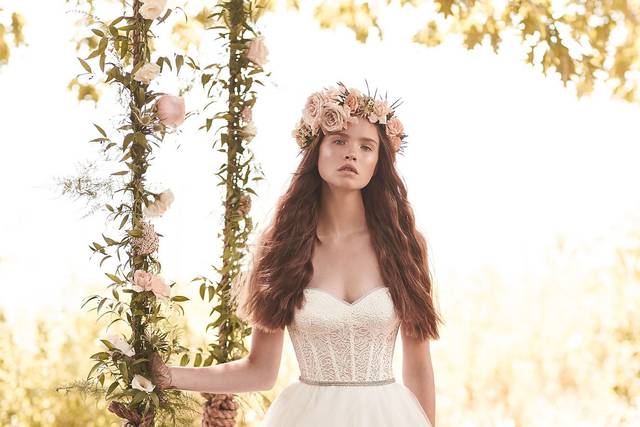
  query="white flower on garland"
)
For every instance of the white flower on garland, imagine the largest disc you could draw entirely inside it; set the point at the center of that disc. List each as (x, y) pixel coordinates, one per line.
(146, 73)
(258, 51)
(120, 344)
(249, 131)
(151, 9)
(160, 205)
(141, 383)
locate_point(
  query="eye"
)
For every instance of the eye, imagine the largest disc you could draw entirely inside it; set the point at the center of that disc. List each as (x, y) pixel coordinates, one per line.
(368, 148)
(338, 139)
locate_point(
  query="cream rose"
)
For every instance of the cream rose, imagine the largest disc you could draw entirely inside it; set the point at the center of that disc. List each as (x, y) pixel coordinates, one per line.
(394, 127)
(312, 110)
(160, 205)
(379, 112)
(171, 110)
(249, 131)
(334, 117)
(146, 73)
(141, 383)
(151, 9)
(331, 94)
(258, 51)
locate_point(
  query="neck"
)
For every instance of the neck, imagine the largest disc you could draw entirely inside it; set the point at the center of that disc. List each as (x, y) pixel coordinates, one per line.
(342, 213)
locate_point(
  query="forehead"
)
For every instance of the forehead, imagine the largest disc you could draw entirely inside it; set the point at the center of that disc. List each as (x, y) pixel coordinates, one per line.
(363, 130)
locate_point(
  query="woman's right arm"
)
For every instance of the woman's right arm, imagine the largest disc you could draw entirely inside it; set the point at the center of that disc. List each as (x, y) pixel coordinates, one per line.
(257, 371)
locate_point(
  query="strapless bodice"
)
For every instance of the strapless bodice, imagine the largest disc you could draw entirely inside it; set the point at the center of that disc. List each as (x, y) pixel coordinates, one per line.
(337, 341)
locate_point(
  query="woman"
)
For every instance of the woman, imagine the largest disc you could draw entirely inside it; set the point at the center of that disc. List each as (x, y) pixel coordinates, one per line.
(342, 266)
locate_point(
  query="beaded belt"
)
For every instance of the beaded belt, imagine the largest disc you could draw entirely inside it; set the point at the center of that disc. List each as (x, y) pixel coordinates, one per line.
(377, 382)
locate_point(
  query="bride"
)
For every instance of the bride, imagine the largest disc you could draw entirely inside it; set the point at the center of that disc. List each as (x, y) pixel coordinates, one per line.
(343, 268)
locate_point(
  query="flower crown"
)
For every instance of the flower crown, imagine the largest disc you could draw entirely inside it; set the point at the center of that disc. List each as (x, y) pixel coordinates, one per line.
(334, 108)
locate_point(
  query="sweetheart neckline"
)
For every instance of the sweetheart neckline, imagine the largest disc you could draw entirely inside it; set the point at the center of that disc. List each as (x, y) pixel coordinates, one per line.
(350, 304)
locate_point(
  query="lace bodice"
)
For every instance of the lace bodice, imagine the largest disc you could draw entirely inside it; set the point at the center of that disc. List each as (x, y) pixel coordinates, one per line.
(335, 340)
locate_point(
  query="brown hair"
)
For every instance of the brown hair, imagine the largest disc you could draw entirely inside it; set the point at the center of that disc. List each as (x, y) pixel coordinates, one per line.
(281, 266)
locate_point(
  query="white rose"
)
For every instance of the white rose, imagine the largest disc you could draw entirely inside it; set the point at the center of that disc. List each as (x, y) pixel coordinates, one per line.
(257, 52)
(118, 342)
(141, 383)
(146, 73)
(151, 9)
(160, 205)
(249, 131)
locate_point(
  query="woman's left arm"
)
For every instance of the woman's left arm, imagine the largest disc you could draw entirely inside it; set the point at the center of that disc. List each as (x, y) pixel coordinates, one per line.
(417, 373)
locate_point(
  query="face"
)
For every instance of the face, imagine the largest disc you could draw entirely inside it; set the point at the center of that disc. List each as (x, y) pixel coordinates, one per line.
(358, 146)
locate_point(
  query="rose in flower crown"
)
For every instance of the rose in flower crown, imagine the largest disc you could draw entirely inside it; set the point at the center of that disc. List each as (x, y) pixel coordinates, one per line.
(334, 108)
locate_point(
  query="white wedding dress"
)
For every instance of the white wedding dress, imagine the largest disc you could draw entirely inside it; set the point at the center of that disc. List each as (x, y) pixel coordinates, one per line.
(345, 353)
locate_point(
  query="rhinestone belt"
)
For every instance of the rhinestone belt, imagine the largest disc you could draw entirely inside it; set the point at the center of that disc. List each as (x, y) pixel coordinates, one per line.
(348, 383)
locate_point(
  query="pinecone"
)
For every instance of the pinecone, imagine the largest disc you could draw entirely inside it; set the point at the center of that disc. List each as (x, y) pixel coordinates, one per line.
(220, 410)
(121, 410)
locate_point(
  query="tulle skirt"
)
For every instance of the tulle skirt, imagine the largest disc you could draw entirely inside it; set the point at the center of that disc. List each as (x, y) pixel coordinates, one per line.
(308, 405)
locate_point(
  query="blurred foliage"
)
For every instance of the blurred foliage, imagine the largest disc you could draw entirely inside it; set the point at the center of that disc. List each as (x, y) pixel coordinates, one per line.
(11, 34)
(28, 380)
(584, 41)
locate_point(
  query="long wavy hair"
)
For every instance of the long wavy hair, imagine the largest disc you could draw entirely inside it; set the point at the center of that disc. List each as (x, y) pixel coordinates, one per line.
(281, 264)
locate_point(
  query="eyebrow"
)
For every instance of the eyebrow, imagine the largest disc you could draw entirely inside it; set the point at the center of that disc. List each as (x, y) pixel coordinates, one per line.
(361, 139)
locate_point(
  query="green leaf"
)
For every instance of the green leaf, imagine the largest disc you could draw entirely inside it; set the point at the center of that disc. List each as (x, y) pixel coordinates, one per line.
(85, 66)
(114, 278)
(154, 398)
(120, 173)
(179, 298)
(112, 387)
(184, 360)
(198, 360)
(139, 397)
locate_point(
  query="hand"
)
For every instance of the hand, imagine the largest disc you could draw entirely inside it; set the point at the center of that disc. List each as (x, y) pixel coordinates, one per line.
(160, 373)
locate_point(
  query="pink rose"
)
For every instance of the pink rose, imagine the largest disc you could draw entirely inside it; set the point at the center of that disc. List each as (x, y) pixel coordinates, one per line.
(334, 117)
(171, 111)
(257, 52)
(247, 114)
(301, 133)
(146, 281)
(160, 288)
(142, 280)
(394, 127)
(312, 110)
(395, 142)
(351, 101)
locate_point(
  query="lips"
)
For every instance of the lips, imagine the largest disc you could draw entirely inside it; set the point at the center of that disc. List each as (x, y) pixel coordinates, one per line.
(348, 167)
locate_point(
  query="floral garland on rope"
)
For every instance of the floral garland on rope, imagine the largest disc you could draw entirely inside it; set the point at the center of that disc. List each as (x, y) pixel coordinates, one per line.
(124, 57)
(246, 54)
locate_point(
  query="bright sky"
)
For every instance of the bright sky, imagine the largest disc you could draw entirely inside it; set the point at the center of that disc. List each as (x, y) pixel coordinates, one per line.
(500, 160)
